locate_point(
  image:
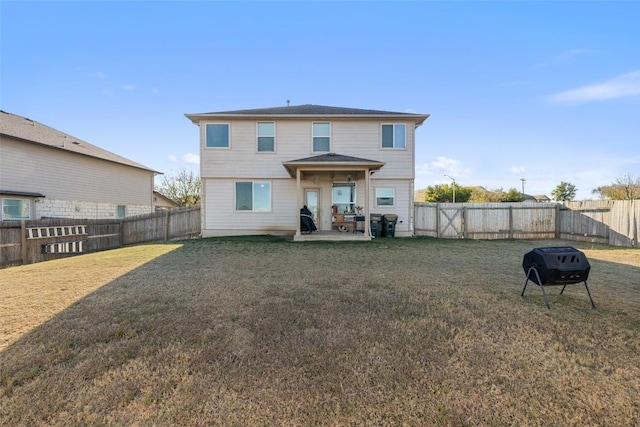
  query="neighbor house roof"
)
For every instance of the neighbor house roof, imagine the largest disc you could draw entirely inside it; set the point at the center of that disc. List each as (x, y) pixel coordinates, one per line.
(27, 130)
(308, 111)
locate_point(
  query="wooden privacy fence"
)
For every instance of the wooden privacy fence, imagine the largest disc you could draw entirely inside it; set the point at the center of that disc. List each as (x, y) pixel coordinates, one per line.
(613, 222)
(26, 242)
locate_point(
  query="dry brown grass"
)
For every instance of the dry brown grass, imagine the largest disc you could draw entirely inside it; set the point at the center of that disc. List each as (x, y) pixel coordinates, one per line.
(261, 331)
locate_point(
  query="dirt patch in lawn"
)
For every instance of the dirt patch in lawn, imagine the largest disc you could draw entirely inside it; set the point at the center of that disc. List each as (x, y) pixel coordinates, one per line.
(263, 331)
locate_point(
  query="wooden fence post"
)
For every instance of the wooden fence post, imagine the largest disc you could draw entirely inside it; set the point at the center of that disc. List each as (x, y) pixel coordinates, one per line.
(510, 222)
(23, 241)
(558, 221)
(166, 225)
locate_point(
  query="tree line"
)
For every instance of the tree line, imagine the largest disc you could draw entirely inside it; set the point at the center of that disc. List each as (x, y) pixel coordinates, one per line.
(626, 187)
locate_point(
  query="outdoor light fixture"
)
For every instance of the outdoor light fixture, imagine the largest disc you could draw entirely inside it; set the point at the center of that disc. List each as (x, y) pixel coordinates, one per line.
(454, 186)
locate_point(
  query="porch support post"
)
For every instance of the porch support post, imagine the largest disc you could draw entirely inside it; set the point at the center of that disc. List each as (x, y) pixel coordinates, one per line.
(298, 201)
(367, 219)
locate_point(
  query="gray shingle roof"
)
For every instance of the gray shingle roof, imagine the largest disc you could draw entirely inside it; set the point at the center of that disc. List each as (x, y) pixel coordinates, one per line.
(309, 110)
(333, 157)
(27, 130)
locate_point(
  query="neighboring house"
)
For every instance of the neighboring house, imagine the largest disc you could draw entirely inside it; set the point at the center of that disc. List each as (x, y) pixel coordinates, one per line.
(162, 203)
(259, 167)
(46, 173)
(542, 198)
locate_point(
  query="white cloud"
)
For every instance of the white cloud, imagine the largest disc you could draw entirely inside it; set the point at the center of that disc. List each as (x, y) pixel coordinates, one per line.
(443, 165)
(129, 87)
(517, 170)
(173, 158)
(617, 87)
(191, 158)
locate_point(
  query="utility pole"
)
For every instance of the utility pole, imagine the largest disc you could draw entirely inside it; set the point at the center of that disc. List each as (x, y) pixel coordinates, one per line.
(523, 181)
(454, 186)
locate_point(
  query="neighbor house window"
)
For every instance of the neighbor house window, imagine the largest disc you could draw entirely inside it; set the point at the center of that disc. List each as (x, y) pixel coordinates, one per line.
(343, 197)
(121, 210)
(322, 137)
(253, 196)
(266, 136)
(217, 135)
(14, 209)
(394, 136)
(385, 196)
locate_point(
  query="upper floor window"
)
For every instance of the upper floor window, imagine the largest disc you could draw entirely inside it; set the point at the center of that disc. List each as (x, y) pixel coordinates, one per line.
(15, 209)
(217, 135)
(322, 137)
(394, 136)
(266, 136)
(385, 196)
(253, 196)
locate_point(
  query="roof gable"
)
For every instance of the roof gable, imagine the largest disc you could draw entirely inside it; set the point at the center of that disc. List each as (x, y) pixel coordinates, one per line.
(30, 131)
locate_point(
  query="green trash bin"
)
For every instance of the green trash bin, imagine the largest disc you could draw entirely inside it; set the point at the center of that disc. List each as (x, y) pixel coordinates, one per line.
(389, 225)
(375, 221)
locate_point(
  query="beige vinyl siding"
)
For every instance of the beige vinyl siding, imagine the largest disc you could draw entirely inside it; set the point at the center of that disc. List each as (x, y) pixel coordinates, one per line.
(403, 203)
(358, 138)
(64, 175)
(221, 216)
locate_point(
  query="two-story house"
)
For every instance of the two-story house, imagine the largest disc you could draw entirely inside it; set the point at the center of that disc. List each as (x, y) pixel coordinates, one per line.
(46, 173)
(260, 166)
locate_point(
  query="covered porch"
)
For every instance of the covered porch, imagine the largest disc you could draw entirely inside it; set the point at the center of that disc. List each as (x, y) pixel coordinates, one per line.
(336, 189)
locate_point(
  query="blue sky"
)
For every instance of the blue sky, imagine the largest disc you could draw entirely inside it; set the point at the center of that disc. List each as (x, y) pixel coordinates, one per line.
(545, 91)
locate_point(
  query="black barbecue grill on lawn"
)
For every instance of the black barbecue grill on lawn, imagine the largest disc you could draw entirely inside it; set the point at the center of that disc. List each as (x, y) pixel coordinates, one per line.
(563, 265)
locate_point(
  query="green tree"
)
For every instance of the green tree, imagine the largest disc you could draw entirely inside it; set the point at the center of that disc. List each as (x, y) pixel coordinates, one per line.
(482, 195)
(183, 188)
(513, 195)
(626, 187)
(441, 193)
(564, 191)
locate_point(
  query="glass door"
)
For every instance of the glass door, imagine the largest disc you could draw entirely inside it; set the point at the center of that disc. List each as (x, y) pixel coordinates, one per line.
(311, 199)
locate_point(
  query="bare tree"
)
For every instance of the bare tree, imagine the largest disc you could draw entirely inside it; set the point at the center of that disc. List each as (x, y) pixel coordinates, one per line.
(626, 187)
(183, 188)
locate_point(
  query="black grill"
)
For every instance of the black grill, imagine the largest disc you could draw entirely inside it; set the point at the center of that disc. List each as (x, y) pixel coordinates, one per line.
(562, 265)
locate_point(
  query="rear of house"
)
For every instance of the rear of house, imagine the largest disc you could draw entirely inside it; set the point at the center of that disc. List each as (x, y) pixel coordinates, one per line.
(46, 173)
(260, 166)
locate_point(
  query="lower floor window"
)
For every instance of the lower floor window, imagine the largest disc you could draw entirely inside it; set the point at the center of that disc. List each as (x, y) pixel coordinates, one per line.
(121, 211)
(253, 196)
(385, 196)
(343, 197)
(13, 209)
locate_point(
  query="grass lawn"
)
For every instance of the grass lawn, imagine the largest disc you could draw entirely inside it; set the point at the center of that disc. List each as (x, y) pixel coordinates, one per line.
(264, 331)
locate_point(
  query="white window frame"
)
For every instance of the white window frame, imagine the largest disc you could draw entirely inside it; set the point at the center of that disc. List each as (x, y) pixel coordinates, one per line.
(258, 136)
(394, 147)
(206, 125)
(28, 201)
(393, 197)
(314, 136)
(253, 183)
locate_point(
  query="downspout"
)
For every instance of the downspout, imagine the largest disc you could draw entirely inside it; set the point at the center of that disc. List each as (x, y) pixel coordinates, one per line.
(367, 215)
(298, 200)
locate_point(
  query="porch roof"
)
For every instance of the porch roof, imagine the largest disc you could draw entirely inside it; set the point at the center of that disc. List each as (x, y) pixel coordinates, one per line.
(331, 161)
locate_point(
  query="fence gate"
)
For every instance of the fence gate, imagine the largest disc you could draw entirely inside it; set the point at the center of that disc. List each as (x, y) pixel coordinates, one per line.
(450, 222)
